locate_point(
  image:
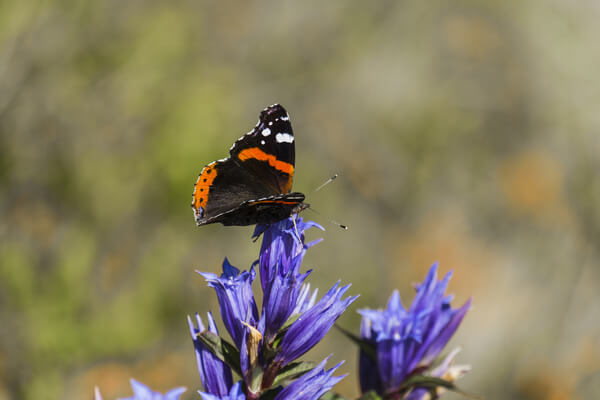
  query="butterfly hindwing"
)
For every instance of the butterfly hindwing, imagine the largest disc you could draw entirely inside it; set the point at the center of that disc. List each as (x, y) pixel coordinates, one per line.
(222, 186)
(261, 211)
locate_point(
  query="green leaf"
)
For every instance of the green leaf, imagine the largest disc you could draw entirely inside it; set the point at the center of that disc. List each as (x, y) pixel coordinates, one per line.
(293, 371)
(256, 377)
(425, 382)
(367, 347)
(222, 349)
(431, 383)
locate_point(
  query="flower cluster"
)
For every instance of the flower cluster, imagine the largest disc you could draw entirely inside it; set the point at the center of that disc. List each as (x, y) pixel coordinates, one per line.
(407, 342)
(400, 348)
(268, 342)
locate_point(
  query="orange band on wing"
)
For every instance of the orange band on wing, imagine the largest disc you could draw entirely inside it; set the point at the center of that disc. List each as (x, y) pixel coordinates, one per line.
(258, 154)
(202, 186)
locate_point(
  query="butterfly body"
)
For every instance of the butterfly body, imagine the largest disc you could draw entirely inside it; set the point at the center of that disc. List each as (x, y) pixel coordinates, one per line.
(252, 185)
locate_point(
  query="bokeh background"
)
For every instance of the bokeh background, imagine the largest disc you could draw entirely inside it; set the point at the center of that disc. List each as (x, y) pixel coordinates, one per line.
(465, 132)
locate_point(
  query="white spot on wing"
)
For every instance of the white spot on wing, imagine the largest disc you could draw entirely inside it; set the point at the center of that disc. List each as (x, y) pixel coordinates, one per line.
(285, 118)
(284, 138)
(262, 142)
(266, 132)
(270, 123)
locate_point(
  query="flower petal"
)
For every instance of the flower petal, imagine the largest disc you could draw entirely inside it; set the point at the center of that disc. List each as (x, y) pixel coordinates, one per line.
(236, 300)
(312, 385)
(313, 324)
(215, 375)
(235, 393)
(143, 392)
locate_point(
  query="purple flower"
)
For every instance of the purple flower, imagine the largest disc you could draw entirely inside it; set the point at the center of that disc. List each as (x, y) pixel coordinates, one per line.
(283, 243)
(289, 313)
(281, 254)
(234, 291)
(214, 374)
(235, 393)
(143, 392)
(312, 385)
(407, 341)
(312, 325)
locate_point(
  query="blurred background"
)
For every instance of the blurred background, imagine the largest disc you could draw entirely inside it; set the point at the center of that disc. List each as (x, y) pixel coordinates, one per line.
(465, 132)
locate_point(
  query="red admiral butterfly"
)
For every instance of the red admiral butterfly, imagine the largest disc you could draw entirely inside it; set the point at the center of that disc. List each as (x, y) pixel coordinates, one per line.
(252, 185)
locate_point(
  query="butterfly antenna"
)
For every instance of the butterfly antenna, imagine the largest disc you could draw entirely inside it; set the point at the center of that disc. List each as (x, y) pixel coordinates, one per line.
(329, 220)
(328, 181)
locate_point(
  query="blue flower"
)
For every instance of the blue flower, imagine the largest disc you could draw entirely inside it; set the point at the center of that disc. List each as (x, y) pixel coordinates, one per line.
(234, 291)
(281, 254)
(143, 392)
(215, 375)
(312, 385)
(289, 312)
(407, 341)
(235, 393)
(282, 248)
(312, 325)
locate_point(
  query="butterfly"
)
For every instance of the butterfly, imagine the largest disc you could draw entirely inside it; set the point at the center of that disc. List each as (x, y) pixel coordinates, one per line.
(253, 185)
